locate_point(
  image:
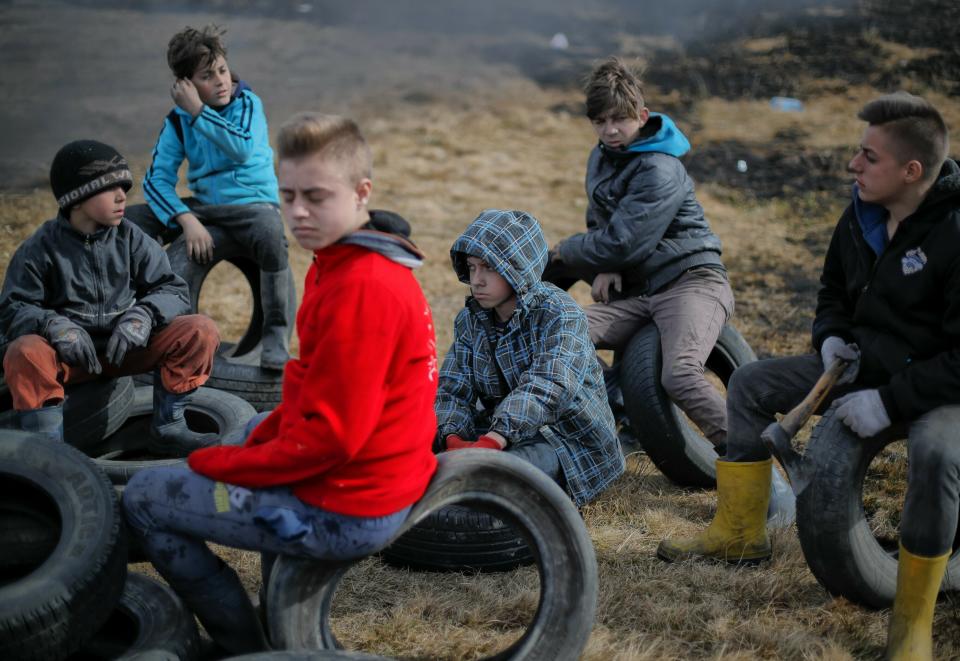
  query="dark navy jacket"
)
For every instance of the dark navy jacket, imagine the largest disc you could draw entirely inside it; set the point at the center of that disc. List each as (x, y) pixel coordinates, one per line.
(899, 301)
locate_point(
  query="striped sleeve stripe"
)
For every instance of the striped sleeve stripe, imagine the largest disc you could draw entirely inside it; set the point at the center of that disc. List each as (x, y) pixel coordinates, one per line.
(214, 118)
(247, 115)
(153, 195)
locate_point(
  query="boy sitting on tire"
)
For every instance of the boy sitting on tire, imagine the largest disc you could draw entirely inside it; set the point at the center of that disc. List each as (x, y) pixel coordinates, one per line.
(89, 293)
(889, 302)
(332, 472)
(219, 127)
(521, 374)
(648, 250)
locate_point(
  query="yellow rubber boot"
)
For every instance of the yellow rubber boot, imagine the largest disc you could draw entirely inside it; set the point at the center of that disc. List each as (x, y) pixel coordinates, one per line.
(738, 532)
(910, 635)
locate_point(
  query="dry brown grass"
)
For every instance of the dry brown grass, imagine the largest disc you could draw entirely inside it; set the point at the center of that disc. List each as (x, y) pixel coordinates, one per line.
(439, 164)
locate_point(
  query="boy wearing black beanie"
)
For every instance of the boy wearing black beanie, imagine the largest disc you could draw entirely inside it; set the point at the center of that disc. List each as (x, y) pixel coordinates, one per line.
(90, 294)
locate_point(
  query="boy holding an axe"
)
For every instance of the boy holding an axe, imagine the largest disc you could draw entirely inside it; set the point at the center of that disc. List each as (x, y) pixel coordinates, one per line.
(889, 305)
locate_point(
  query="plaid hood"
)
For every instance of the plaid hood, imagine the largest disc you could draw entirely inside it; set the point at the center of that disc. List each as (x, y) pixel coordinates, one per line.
(511, 243)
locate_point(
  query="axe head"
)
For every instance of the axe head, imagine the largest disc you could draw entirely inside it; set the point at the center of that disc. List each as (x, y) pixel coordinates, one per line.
(777, 441)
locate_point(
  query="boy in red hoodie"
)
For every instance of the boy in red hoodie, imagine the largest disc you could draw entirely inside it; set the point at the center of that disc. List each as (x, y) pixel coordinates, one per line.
(332, 472)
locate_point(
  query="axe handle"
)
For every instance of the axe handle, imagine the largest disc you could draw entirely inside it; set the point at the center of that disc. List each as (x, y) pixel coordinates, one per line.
(798, 415)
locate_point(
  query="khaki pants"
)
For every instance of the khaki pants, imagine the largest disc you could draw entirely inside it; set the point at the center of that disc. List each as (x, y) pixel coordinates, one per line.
(689, 313)
(183, 351)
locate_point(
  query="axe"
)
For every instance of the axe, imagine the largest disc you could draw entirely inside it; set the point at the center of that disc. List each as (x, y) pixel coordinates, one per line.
(777, 436)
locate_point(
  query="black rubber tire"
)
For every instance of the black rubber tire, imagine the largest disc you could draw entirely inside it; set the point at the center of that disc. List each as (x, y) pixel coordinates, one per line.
(241, 376)
(149, 621)
(51, 611)
(834, 532)
(300, 591)
(675, 446)
(227, 249)
(29, 532)
(124, 453)
(306, 655)
(459, 539)
(91, 411)
(244, 378)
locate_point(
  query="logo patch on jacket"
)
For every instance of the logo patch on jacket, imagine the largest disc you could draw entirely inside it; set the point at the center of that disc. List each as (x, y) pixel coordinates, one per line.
(913, 261)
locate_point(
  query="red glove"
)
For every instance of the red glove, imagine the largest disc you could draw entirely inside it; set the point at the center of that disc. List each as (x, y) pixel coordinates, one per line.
(454, 442)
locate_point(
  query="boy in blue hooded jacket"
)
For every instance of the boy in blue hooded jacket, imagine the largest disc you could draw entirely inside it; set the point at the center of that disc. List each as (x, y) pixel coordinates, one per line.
(521, 374)
(648, 250)
(218, 125)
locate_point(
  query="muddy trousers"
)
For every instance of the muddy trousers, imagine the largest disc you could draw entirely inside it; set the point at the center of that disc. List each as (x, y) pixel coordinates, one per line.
(182, 351)
(928, 524)
(172, 510)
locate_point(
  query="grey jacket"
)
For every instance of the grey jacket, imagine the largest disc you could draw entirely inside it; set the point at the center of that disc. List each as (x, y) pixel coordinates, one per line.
(540, 376)
(643, 221)
(91, 279)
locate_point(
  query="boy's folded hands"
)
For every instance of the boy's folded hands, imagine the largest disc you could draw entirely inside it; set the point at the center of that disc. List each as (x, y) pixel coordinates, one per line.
(73, 344)
(133, 330)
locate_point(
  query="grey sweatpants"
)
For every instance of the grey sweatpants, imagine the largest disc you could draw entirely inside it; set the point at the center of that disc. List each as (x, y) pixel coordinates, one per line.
(928, 524)
(256, 227)
(689, 313)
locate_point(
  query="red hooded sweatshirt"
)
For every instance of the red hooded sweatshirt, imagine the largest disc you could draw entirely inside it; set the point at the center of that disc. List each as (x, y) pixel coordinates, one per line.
(354, 429)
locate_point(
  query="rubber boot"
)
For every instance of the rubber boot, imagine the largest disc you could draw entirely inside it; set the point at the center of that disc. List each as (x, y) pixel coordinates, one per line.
(910, 634)
(225, 611)
(274, 289)
(738, 532)
(169, 434)
(46, 420)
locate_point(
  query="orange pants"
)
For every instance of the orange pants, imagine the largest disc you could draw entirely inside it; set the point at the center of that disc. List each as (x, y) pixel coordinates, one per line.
(183, 351)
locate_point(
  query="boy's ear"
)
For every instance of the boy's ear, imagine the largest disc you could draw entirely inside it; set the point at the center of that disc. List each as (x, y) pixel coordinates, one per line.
(913, 171)
(363, 191)
(644, 115)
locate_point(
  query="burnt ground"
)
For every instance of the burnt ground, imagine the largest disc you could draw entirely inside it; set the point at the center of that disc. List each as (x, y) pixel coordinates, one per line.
(63, 78)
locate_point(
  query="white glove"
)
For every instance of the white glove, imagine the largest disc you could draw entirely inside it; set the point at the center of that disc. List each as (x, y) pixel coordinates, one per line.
(834, 347)
(863, 412)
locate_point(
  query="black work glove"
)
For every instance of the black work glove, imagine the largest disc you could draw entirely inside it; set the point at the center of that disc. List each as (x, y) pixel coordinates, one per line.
(73, 344)
(133, 330)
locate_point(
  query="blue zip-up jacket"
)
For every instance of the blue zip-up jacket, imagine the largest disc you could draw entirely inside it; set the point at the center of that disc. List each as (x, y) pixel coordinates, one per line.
(643, 219)
(551, 380)
(228, 154)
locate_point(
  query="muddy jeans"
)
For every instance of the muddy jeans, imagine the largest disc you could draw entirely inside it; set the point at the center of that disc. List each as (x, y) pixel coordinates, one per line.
(929, 520)
(183, 351)
(256, 227)
(172, 510)
(689, 313)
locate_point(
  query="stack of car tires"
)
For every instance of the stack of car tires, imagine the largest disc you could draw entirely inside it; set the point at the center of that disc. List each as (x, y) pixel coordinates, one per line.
(64, 587)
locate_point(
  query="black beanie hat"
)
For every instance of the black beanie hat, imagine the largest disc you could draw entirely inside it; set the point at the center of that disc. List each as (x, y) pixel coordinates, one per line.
(83, 168)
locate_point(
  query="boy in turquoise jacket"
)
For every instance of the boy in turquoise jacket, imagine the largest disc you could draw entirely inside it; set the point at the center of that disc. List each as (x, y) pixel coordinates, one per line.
(219, 127)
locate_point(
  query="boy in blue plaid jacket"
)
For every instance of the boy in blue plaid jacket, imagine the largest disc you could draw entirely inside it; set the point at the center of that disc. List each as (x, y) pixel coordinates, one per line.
(522, 374)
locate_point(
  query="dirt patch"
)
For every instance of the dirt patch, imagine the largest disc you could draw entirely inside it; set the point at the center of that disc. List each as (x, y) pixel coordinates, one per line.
(781, 169)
